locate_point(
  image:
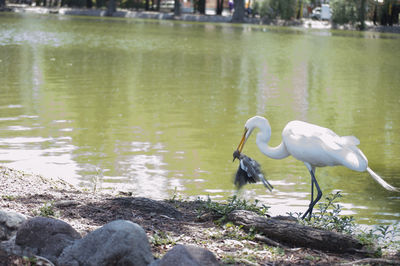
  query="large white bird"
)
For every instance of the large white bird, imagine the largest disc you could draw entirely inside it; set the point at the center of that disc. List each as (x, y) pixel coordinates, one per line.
(315, 146)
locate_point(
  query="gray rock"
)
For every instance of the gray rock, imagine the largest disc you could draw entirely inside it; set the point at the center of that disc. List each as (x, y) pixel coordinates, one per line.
(46, 237)
(9, 223)
(182, 255)
(9, 246)
(116, 243)
(13, 254)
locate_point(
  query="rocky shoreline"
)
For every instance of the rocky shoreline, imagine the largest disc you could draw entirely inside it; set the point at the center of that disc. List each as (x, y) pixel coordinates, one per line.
(36, 213)
(123, 13)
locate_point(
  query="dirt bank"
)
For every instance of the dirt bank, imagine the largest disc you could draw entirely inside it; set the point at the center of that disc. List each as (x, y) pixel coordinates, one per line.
(177, 221)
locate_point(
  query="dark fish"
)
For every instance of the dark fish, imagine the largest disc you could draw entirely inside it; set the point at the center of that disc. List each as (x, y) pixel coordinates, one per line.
(249, 171)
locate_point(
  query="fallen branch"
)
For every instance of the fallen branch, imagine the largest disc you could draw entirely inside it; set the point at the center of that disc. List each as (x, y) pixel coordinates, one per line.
(296, 235)
(269, 241)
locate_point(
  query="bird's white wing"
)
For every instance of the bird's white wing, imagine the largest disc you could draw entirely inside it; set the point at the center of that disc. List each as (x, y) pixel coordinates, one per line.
(321, 146)
(344, 151)
(349, 140)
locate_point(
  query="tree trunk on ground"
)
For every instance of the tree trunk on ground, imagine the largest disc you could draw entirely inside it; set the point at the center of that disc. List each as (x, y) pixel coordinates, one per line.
(291, 233)
(238, 14)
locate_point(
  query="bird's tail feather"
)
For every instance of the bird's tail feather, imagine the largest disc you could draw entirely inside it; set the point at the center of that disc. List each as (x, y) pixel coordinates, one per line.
(382, 182)
(266, 183)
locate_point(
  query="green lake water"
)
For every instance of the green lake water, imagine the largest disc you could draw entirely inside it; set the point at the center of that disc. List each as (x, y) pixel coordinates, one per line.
(158, 107)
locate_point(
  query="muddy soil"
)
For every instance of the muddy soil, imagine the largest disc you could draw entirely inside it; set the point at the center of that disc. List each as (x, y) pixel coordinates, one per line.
(166, 223)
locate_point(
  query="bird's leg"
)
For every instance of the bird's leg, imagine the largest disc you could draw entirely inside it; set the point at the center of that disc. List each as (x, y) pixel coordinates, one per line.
(319, 195)
(312, 199)
(312, 190)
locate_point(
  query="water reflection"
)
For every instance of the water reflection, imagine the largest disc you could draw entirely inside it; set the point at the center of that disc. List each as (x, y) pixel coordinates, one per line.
(153, 107)
(48, 156)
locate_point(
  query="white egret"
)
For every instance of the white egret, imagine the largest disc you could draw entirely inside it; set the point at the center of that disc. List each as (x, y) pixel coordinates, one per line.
(315, 146)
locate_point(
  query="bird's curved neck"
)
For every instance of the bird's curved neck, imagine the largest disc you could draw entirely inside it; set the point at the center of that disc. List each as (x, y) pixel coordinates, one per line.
(263, 137)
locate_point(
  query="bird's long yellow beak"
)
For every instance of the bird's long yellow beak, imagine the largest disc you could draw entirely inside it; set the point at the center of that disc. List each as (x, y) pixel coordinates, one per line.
(242, 141)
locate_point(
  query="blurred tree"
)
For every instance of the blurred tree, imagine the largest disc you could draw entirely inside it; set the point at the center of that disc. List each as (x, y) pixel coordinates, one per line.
(285, 9)
(220, 7)
(266, 11)
(71, 3)
(299, 12)
(390, 12)
(111, 7)
(199, 6)
(177, 8)
(149, 5)
(202, 6)
(136, 4)
(100, 3)
(349, 11)
(375, 14)
(344, 11)
(238, 13)
(361, 15)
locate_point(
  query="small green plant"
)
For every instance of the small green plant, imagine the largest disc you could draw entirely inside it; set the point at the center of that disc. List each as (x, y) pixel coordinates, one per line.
(386, 236)
(312, 258)
(175, 196)
(232, 231)
(221, 210)
(47, 210)
(367, 237)
(228, 260)
(97, 179)
(328, 216)
(162, 238)
(30, 260)
(8, 197)
(275, 251)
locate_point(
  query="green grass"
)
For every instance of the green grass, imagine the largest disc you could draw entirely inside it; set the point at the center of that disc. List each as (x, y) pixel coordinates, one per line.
(327, 216)
(161, 238)
(47, 210)
(222, 210)
(8, 197)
